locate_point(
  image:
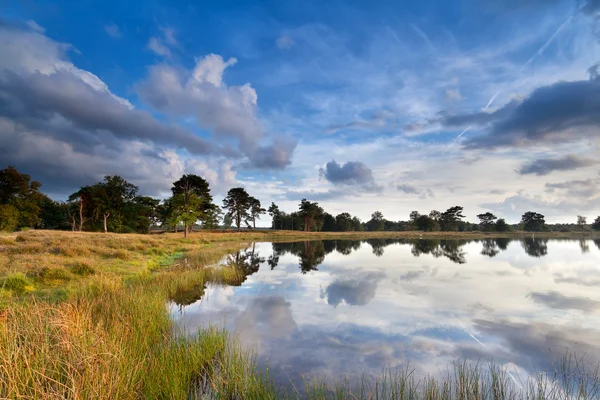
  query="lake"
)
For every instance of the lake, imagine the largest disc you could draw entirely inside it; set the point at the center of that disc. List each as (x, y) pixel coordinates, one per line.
(351, 308)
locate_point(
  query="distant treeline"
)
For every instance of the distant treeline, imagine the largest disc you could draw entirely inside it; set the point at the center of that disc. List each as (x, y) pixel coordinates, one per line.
(114, 205)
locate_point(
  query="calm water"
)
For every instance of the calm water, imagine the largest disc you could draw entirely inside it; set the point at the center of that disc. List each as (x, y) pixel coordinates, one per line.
(340, 308)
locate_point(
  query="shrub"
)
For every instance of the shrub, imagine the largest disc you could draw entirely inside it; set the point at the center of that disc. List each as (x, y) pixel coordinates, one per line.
(82, 269)
(9, 218)
(51, 274)
(17, 283)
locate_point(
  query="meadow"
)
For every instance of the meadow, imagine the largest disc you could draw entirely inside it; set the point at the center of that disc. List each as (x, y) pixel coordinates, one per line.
(84, 316)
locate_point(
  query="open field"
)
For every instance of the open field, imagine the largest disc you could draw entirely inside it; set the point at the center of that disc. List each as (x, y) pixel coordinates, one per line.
(83, 316)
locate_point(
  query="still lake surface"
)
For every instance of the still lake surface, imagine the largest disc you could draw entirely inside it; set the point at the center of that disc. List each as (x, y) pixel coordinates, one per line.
(350, 308)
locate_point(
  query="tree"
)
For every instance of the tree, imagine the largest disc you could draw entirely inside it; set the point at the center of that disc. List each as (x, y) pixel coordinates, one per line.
(344, 223)
(450, 218)
(276, 220)
(501, 225)
(486, 221)
(22, 194)
(358, 226)
(581, 221)
(186, 210)
(53, 214)
(377, 222)
(532, 221)
(435, 215)
(255, 210)
(413, 216)
(227, 221)
(596, 224)
(9, 218)
(311, 213)
(425, 223)
(189, 185)
(237, 203)
(80, 200)
(328, 223)
(147, 213)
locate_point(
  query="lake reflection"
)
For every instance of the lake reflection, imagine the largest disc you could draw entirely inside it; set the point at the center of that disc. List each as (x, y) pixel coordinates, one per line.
(341, 308)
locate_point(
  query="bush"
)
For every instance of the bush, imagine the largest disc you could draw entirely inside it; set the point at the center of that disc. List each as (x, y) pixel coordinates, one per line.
(9, 218)
(17, 283)
(52, 274)
(82, 269)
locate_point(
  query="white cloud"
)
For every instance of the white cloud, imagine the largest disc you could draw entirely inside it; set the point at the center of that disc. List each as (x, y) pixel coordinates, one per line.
(284, 42)
(157, 46)
(113, 30)
(35, 26)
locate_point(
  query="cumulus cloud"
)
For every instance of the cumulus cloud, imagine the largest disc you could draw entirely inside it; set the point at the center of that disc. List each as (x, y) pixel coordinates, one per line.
(544, 166)
(65, 125)
(352, 173)
(284, 42)
(354, 292)
(227, 111)
(560, 112)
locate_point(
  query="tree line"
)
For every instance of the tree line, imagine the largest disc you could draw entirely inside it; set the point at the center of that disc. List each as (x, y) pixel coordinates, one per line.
(115, 205)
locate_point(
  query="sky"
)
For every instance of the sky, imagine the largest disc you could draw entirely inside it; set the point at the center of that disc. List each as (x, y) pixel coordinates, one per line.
(493, 105)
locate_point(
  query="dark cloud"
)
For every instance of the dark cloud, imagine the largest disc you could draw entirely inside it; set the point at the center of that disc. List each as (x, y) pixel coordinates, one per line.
(275, 156)
(90, 115)
(544, 166)
(560, 112)
(354, 292)
(352, 173)
(585, 188)
(408, 189)
(559, 301)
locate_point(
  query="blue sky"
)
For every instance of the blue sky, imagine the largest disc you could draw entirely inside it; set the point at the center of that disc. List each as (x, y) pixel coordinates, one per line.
(490, 104)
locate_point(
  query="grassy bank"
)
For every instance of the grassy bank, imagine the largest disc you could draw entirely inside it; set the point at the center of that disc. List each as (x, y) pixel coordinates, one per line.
(83, 316)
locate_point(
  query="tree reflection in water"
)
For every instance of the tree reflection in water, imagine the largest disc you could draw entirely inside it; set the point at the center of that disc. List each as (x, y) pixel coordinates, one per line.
(535, 247)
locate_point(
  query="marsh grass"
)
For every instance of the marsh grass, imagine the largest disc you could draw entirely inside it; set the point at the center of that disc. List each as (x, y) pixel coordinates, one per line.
(84, 316)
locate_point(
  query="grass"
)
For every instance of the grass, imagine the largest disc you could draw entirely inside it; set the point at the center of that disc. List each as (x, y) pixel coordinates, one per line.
(83, 316)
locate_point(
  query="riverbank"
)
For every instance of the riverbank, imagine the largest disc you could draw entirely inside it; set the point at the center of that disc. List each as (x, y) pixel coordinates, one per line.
(82, 315)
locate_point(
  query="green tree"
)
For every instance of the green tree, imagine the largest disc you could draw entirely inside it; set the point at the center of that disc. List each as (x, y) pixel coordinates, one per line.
(227, 221)
(189, 185)
(79, 206)
(596, 224)
(255, 210)
(237, 203)
(9, 218)
(358, 226)
(425, 223)
(533, 222)
(276, 216)
(501, 225)
(187, 209)
(377, 222)
(54, 214)
(581, 222)
(311, 213)
(413, 216)
(328, 223)
(344, 222)
(486, 221)
(147, 212)
(21, 193)
(450, 218)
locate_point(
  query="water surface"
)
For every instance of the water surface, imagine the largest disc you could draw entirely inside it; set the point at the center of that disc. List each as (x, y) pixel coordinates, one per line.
(346, 308)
